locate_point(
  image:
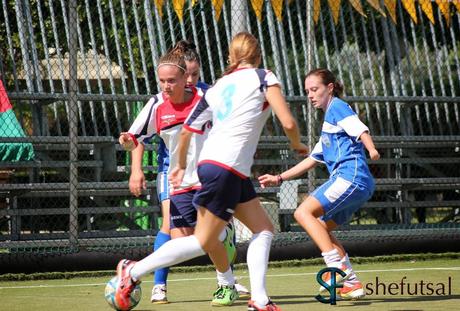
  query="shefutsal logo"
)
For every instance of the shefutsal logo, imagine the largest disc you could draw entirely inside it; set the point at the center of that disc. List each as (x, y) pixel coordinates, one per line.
(331, 286)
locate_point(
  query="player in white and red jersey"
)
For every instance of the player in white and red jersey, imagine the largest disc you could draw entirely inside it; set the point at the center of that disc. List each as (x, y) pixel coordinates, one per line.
(226, 190)
(160, 116)
(163, 116)
(159, 290)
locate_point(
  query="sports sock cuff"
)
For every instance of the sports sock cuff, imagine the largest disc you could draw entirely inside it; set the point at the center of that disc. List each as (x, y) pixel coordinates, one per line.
(161, 239)
(331, 257)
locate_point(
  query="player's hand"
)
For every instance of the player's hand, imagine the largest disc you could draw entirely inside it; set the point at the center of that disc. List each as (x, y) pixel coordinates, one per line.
(126, 141)
(268, 180)
(137, 183)
(176, 176)
(374, 154)
(300, 149)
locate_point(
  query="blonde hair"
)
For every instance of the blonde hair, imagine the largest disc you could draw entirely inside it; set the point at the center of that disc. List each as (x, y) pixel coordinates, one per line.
(244, 49)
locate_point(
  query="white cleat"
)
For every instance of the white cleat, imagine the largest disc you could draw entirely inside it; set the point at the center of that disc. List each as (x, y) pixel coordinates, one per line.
(159, 294)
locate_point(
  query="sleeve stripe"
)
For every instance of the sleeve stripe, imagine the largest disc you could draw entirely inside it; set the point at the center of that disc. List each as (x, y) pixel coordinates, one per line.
(134, 139)
(191, 129)
(199, 108)
(146, 125)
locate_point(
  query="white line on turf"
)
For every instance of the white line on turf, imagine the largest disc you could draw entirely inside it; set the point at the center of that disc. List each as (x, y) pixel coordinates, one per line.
(239, 277)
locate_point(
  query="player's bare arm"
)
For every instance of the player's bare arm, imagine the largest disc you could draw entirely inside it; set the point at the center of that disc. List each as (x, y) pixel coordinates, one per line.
(369, 144)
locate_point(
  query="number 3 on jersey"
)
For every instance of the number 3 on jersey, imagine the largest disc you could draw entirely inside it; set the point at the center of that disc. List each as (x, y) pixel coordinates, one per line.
(226, 107)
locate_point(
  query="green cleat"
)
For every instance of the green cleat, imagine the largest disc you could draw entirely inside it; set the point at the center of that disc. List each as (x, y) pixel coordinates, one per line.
(224, 296)
(229, 243)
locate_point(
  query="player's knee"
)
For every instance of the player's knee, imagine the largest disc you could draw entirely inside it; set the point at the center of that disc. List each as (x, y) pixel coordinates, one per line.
(300, 214)
(269, 227)
(210, 245)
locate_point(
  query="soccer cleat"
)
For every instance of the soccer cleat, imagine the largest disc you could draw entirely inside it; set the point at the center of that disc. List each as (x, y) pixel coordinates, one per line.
(224, 296)
(338, 279)
(352, 291)
(243, 292)
(125, 284)
(159, 294)
(270, 306)
(229, 243)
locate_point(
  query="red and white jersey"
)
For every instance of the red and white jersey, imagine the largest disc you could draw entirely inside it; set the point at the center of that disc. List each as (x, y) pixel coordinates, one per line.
(238, 109)
(163, 118)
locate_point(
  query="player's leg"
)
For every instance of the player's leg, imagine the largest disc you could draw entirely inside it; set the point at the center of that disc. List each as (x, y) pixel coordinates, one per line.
(208, 230)
(173, 252)
(352, 287)
(183, 222)
(161, 275)
(330, 205)
(179, 250)
(228, 236)
(252, 215)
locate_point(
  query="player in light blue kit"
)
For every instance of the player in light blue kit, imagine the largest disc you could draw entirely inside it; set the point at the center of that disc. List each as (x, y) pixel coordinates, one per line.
(350, 185)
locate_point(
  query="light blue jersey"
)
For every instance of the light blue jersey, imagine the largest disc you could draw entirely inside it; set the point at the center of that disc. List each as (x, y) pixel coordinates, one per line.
(350, 183)
(339, 146)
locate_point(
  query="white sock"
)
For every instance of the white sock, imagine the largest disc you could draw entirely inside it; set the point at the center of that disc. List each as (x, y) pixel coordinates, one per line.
(332, 258)
(257, 259)
(225, 278)
(346, 261)
(172, 252)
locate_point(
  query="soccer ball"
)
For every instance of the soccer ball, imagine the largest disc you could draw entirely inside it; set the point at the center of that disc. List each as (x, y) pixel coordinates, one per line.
(110, 289)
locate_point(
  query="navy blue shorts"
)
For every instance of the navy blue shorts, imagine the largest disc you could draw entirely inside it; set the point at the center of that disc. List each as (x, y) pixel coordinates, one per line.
(221, 190)
(181, 209)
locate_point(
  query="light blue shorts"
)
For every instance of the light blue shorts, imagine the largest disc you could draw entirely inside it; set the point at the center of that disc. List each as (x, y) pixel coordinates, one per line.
(162, 186)
(340, 198)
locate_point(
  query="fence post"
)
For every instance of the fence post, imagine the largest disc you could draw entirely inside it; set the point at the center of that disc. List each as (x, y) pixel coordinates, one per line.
(239, 9)
(73, 126)
(309, 65)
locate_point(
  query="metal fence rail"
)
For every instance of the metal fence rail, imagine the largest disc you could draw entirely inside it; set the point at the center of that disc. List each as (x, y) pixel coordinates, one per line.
(77, 73)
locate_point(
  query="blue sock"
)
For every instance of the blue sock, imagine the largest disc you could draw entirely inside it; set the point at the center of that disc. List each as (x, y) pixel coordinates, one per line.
(161, 274)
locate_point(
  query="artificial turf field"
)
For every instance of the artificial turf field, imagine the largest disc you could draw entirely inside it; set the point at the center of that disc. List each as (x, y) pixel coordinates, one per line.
(291, 285)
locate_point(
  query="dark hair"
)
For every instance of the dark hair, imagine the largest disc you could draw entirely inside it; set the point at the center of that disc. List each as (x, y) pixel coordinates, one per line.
(327, 77)
(189, 51)
(175, 56)
(244, 48)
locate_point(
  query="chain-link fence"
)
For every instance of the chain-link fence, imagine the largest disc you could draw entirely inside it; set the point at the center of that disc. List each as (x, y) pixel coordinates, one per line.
(78, 72)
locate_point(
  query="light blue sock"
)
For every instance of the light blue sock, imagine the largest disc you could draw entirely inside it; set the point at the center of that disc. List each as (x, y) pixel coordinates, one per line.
(160, 275)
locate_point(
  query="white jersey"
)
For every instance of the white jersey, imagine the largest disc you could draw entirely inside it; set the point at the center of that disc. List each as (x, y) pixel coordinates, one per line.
(165, 119)
(238, 108)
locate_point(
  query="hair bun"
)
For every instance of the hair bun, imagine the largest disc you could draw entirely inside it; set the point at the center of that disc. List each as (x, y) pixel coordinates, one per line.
(185, 45)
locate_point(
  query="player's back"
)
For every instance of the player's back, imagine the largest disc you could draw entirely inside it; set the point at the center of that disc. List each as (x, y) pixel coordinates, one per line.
(239, 112)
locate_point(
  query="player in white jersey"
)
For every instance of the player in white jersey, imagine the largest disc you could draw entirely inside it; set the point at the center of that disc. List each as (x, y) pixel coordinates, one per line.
(163, 116)
(238, 106)
(137, 177)
(350, 185)
(244, 52)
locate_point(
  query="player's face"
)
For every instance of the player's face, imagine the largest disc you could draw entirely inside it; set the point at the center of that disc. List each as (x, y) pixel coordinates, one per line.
(172, 82)
(193, 70)
(318, 93)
